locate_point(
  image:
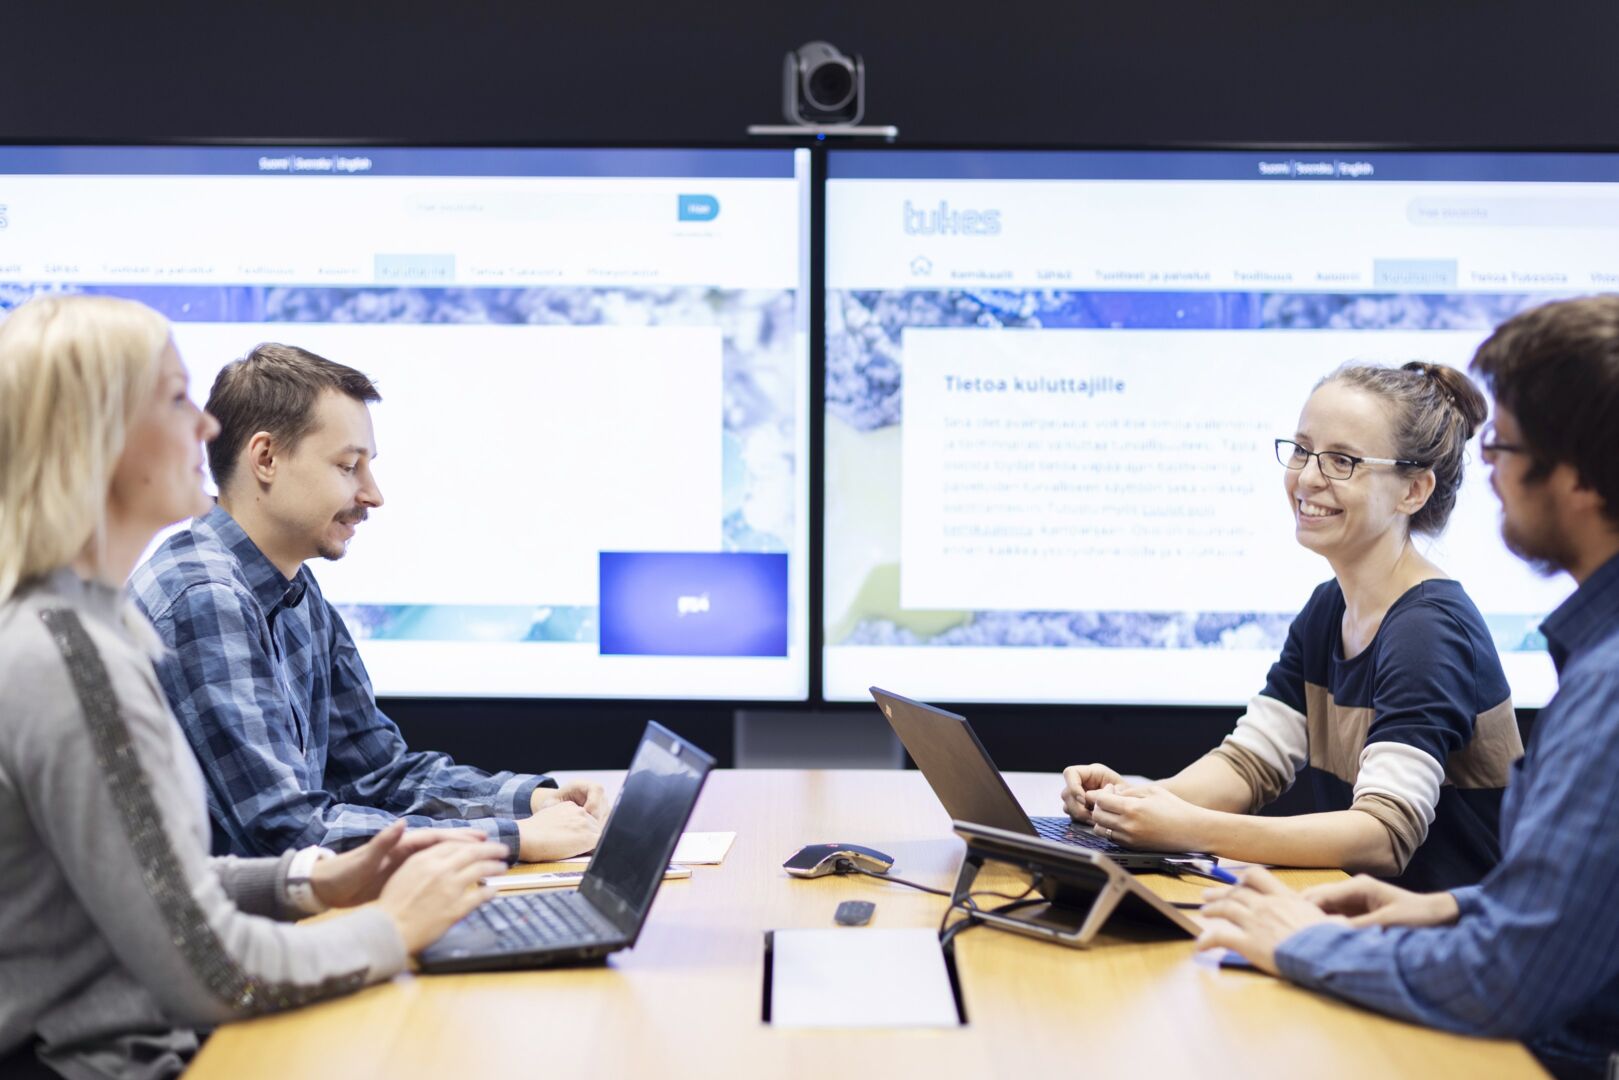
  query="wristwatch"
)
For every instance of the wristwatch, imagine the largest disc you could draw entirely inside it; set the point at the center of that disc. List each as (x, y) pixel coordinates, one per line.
(300, 880)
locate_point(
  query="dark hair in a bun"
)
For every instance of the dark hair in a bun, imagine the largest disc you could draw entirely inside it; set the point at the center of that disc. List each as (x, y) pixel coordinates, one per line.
(1436, 409)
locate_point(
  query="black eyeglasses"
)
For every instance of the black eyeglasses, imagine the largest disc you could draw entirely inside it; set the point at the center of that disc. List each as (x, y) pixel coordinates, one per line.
(1333, 464)
(1489, 446)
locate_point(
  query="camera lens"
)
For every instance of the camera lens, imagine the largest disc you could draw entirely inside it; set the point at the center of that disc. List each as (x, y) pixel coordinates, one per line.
(830, 85)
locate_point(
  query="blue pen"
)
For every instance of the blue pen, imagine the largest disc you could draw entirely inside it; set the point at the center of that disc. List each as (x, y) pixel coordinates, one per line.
(1208, 870)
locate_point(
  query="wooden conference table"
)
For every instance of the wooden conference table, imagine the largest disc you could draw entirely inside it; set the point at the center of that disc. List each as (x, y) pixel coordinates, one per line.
(686, 1000)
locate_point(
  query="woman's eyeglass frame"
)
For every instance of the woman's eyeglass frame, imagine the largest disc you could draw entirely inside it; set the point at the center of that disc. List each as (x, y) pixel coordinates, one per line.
(1296, 458)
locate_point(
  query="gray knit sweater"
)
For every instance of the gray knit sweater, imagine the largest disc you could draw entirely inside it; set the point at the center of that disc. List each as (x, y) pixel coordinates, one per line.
(118, 932)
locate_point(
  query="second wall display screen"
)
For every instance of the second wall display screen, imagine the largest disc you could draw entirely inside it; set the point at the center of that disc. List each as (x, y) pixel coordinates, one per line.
(1054, 380)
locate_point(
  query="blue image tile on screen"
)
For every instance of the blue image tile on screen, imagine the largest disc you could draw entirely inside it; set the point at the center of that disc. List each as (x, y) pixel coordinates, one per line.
(684, 603)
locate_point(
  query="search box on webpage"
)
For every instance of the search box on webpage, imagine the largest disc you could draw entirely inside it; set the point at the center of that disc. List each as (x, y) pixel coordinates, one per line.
(1572, 213)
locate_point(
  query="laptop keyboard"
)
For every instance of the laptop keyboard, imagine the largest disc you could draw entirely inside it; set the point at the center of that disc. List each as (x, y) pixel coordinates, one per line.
(1064, 831)
(541, 920)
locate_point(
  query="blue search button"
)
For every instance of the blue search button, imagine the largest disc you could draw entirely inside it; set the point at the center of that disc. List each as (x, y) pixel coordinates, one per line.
(699, 208)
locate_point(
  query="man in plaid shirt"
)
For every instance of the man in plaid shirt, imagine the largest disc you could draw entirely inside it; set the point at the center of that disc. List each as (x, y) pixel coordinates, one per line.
(263, 675)
(1532, 951)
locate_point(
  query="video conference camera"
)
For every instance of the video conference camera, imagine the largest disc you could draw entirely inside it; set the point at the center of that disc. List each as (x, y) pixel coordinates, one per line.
(820, 85)
(823, 95)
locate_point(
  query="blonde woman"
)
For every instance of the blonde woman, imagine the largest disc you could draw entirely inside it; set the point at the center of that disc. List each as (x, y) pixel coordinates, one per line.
(118, 933)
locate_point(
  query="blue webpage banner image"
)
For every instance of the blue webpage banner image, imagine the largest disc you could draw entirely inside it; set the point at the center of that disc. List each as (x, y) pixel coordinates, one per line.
(683, 603)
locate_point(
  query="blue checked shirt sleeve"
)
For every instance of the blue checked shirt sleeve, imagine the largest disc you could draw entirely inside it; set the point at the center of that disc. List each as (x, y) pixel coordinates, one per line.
(221, 681)
(1537, 939)
(368, 761)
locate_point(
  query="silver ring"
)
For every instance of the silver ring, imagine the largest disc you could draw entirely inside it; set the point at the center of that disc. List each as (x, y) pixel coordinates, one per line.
(1109, 829)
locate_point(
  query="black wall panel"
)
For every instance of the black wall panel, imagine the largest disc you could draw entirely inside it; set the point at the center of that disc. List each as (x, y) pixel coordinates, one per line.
(1487, 72)
(1423, 72)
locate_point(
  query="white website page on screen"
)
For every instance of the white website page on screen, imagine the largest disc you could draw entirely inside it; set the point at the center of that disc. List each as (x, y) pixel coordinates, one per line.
(593, 433)
(1051, 403)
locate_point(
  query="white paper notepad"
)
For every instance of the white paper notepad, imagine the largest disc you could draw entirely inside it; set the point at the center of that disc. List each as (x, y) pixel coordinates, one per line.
(694, 849)
(702, 848)
(857, 977)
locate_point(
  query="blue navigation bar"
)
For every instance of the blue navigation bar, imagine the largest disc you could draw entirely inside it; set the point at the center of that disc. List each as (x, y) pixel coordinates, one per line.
(390, 161)
(1279, 166)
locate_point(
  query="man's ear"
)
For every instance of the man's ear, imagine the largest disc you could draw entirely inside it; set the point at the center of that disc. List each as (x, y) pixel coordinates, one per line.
(259, 456)
(1418, 492)
(1580, 496)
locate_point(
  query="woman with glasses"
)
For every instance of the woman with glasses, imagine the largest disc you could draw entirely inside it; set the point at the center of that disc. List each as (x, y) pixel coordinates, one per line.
(1388, 685)
(118, 934)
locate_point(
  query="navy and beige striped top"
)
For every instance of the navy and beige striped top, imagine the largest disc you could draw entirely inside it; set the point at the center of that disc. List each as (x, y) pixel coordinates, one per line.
(1417, 730)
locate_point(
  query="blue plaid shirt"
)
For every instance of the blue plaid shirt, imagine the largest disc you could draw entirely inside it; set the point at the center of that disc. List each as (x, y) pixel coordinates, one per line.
(1535, 953)
(269, 687)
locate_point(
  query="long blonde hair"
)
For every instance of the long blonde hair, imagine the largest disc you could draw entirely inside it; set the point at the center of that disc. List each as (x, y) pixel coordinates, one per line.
(74, 371)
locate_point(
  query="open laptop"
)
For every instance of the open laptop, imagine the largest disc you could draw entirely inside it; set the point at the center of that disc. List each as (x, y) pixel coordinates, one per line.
(956, 765)
(610, 906)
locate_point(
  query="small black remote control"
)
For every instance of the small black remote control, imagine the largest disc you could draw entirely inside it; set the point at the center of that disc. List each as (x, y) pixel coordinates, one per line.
(854, 912)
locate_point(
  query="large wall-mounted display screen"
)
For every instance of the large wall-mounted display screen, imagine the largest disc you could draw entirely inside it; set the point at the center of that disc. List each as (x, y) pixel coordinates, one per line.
(594, 366)
(1053, 381)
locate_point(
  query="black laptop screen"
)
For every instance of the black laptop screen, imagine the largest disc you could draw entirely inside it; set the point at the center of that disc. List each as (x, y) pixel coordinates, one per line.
(659, 792)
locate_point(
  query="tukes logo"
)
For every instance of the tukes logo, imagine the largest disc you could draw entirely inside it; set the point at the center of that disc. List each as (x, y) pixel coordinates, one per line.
(943, 221)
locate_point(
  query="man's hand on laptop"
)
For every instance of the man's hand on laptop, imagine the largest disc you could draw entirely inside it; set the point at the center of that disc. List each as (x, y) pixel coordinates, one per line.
(583, 792)
(562, 830)
(1150, 817)
(1079, 783)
